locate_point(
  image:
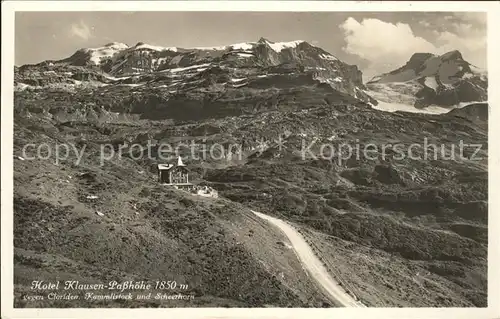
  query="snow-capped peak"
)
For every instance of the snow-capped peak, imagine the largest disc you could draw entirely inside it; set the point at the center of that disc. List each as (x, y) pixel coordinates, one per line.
(427, 80)
(278, 46)
(107, 51)
(211, 48)
(478, 70)
(448, 66)
(117, 46)
(141, 45)
(243, 46)
(236, 46)
(111, 49)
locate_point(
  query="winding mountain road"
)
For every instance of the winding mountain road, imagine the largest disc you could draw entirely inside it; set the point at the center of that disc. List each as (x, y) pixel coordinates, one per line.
(312, 263)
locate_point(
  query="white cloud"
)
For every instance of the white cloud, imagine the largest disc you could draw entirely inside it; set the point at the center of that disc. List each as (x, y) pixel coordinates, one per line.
(388, 46)
(424, 23)
(471, 44)
(81, 30)
(478, 18)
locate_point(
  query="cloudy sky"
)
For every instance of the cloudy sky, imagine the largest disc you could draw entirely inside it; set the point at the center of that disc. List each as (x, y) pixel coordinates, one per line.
(375, 41)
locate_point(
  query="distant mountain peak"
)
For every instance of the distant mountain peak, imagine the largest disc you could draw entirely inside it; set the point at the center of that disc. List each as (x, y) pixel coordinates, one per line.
(429, 79)
(449, 66)
(420, 57)
(294, 60)
(279, 46)
(116, 44)
(452, 55)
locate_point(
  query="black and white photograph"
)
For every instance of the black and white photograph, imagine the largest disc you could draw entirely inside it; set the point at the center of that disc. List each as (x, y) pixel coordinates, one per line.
(231, 159)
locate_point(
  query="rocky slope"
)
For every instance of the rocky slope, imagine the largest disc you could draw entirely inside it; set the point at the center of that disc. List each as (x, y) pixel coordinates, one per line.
(430, 80)
(408, 231)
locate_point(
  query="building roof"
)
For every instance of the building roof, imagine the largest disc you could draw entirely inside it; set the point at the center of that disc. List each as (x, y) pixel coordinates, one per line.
(179, 162)
(169, 166)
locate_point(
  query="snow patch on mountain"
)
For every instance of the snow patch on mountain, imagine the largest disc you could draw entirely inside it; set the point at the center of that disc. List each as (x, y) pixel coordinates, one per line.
(199, 67)
(117, 45)
(97, 55)
(242, 46)
(475, 69)
(154, 47)
(238, 80)
(483, 74)
(431, 82)
(245, 55)
(279, 46)
(403, 76)
(276, 46)
(159, 61)
(394, 107)
(132, 85)
(107, 51)
(22, 86)
(217, 48)
(446, 67)
(452, 80)
(328, 57)
(237, 46)
(239, 85)
(403, 93)
(431, 109)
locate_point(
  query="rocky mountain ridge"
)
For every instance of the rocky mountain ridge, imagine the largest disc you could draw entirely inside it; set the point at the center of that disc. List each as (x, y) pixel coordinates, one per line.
(426, 79)
(117, 63)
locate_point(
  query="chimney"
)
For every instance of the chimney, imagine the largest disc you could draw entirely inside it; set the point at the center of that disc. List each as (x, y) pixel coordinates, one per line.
(179, 161)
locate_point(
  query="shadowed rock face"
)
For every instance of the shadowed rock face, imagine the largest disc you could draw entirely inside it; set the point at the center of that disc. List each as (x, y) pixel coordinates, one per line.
(445, 80)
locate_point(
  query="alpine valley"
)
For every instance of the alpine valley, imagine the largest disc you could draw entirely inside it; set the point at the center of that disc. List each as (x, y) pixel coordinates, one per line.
(395, 231)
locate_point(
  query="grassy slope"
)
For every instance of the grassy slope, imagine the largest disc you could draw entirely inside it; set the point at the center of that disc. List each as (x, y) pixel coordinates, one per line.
(148, 232)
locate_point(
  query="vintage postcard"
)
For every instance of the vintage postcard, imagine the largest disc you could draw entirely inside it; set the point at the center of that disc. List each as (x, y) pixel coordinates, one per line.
(249, 159)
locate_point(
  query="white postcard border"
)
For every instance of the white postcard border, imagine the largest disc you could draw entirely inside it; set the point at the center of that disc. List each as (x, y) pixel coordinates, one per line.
(8, 11)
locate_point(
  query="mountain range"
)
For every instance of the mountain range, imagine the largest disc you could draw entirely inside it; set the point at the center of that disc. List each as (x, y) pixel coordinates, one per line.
(426, 80)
